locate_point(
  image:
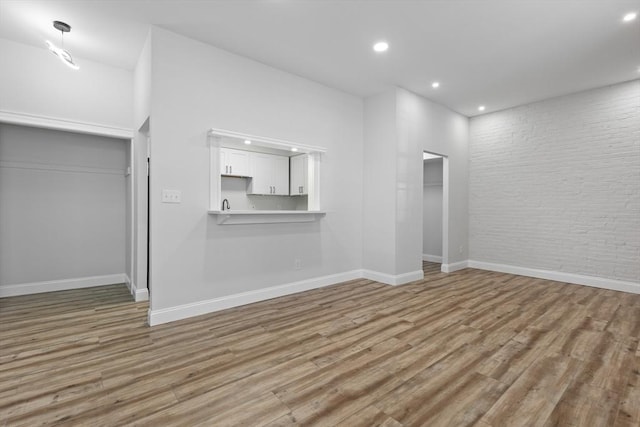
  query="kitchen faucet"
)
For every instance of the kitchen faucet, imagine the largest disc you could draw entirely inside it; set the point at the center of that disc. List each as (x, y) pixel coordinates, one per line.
(227, 202)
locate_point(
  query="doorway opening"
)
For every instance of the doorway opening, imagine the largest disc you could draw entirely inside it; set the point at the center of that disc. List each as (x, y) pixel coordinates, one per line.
(435, 209)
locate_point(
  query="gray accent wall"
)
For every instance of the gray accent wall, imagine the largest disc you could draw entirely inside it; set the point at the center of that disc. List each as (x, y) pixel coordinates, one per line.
(62, 205)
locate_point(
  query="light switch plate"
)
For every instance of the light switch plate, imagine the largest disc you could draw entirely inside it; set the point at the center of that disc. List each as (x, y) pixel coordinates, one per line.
(171, 196)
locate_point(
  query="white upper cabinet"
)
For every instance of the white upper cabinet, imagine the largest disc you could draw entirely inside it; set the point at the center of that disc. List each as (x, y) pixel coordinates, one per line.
(270, 174)
(234, 162)
(299, 181)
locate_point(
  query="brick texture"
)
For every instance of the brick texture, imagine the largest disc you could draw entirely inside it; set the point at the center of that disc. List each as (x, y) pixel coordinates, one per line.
(555, 185)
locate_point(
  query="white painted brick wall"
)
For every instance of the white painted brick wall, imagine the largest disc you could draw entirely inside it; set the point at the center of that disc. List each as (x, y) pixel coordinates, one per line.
(555, 185)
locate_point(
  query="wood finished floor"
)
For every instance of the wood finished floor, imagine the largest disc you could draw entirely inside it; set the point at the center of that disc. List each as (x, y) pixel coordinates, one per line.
(467, 348)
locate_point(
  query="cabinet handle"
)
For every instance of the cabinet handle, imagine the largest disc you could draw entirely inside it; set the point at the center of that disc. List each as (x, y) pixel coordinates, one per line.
(226, 169)
(230, 169)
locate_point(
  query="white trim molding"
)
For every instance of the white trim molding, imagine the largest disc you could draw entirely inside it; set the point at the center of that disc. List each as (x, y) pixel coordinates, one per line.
(558, 276)
(24, 119)
(61, 285)
(170, 314)
(432, 258)
(138, 295)
(455, 266)
(270, 142)
(389, 279)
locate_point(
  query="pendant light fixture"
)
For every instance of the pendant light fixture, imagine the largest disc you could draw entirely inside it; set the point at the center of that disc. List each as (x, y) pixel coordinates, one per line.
(64, 56)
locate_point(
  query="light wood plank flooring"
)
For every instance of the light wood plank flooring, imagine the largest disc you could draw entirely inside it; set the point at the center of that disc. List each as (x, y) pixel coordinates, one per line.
(461, 349)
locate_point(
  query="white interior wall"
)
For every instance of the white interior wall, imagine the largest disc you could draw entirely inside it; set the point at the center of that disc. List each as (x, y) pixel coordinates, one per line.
(34, 82)
(193, 259)
(555, 185)
(62, 209)
(379, 185)
(142, 86)
(436, 129)
(432, 209)
(399, 126)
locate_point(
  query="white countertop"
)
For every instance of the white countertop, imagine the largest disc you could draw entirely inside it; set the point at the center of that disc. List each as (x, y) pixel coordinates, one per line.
(231, 216)
(261, 212)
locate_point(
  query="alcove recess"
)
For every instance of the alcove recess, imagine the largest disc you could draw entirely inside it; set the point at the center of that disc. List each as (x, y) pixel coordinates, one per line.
(263, 180)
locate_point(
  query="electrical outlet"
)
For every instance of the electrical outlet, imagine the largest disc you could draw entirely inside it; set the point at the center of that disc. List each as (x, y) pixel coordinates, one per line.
(171, 196)
(297, 264)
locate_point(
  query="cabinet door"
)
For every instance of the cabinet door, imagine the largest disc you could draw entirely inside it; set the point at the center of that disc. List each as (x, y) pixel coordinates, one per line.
(261, 174)
(270, 174)
(299, 175)
(236, 162)
(280, 175)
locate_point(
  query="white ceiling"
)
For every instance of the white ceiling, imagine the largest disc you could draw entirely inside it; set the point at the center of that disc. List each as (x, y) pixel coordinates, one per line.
(499, 53)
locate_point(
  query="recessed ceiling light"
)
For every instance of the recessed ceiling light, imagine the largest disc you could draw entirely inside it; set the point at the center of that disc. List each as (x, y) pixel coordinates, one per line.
(481, 108)
(630, 16)
(294, 149)
(381, 46)
(435, 85)
(246, 141)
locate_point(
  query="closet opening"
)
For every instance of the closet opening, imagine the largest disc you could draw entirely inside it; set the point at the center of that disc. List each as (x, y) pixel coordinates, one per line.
(434, 212)
(66, 210)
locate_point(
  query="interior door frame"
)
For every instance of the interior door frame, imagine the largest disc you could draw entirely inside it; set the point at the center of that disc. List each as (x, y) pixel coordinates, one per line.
(445, 206)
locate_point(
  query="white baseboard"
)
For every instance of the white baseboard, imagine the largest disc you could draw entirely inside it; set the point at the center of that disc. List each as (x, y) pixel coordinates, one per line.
(60, 285)
(141, 295)
(432, 258)
(389, 279)
(184, 311)
(138, 294)
(455, 266)
(578, 279)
